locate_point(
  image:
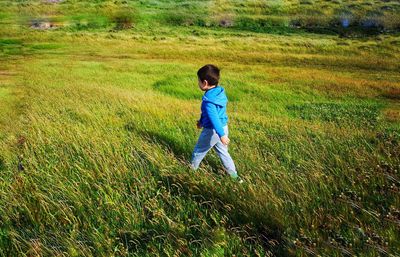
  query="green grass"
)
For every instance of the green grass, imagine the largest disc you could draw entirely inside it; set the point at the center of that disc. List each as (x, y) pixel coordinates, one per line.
(97, 125)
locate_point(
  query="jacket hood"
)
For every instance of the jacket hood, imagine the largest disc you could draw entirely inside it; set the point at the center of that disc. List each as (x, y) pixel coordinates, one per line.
(216, 96)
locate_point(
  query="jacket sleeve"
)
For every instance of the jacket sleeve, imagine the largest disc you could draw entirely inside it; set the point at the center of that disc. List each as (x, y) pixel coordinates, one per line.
(201, 119)
(212, 114)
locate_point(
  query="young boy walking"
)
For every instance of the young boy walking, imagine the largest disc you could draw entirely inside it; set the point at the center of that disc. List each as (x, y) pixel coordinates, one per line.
(213, 120)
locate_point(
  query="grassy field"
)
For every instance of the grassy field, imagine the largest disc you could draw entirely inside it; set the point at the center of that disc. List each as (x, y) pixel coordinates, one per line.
(98, 122)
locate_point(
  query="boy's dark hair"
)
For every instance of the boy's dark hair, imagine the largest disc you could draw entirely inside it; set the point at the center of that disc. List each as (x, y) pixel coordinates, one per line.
(210, 73)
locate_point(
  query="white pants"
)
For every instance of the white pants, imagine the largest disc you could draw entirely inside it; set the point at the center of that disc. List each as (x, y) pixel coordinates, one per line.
(207, 140)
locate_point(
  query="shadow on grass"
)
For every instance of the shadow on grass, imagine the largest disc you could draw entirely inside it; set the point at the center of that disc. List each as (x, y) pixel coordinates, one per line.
(250, 216)
(179, 149)
(257, 223)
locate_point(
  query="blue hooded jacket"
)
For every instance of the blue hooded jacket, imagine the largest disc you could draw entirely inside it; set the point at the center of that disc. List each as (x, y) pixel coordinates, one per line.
(213, 110)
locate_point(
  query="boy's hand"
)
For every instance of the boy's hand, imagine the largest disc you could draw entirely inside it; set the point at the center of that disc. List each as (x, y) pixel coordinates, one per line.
(225, 140)
(198, 124)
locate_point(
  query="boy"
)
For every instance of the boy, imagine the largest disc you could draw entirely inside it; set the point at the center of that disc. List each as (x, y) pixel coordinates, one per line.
(213, 120)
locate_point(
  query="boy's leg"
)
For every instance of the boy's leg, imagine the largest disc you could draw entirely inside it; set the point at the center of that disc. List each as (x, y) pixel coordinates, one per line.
(206, 141)
(222, 151)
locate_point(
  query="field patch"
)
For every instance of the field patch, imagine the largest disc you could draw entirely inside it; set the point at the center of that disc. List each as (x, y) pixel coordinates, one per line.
(3, 92)
(45, 46)
(182, 87)
(237, 90)
(393, 94)
(392, 112)
(10, 46)
(5, 99)
(339, 113)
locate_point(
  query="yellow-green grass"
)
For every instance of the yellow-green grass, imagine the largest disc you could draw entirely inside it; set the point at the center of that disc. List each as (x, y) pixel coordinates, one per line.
(100, 127)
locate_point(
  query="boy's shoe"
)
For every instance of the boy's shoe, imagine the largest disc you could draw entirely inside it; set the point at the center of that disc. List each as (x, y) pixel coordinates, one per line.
(237, 178)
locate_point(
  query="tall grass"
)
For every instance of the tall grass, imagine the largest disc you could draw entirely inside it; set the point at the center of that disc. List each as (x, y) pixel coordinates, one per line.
(95, 141)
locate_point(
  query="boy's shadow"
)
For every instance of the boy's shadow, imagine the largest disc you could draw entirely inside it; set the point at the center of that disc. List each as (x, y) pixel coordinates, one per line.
(255, 223)
(181, 150)
(245, 221)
